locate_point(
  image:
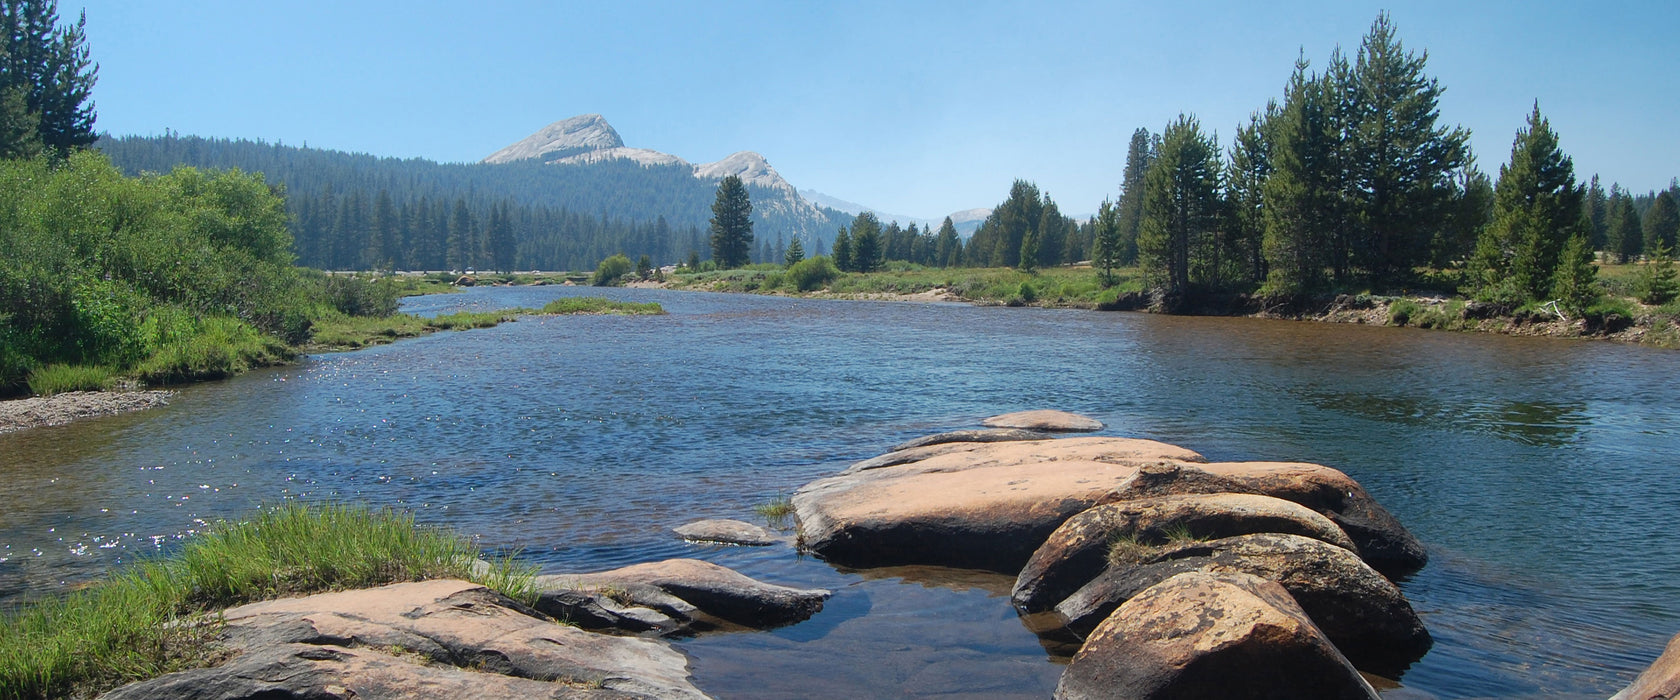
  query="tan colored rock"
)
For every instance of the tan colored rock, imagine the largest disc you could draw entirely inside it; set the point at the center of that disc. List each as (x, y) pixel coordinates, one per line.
(970, 505)
(1201, 635)
(983, 435)
(450, 638)
(723, 531)
(1361, 612)
(1077, 552)
(715, 590)
(1659, 682)
(1058, 421)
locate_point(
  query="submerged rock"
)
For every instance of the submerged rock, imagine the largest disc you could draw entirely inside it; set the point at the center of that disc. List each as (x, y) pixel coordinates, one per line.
(969, 505)
(699, 587)
(1204, 635)
(1361, 612)
(728, 532)
(1079, 550)
(432, 639)
(1659, 682)
(1055, 421)
(983, 435)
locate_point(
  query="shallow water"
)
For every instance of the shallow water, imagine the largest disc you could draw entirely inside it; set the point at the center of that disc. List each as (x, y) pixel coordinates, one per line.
(1540, 473)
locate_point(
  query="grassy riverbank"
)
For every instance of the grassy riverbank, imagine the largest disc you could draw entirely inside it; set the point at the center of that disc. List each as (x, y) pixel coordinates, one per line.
(342, 332)
(1618, 316)
(158, 616)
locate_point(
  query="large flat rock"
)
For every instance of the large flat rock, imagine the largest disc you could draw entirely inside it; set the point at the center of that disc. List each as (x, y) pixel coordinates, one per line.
(1055, 421)
(432, 639)
(969, 505)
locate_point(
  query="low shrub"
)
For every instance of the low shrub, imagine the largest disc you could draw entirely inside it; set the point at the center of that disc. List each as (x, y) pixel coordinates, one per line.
(812, 274)
(1402, 311)
(611, 271)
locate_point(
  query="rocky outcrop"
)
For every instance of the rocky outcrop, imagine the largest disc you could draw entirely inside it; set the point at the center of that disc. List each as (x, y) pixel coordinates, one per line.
(433, 639)
(727, 532)
(982, 435)
(1080, 549)
(1052, 421)
(703, 592)
(1361, 612)
(1204, 635)
(1659, 682)
(969, 505)
(562, 139)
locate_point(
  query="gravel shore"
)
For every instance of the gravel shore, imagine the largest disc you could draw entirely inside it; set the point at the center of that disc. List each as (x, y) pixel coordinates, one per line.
(63, 408)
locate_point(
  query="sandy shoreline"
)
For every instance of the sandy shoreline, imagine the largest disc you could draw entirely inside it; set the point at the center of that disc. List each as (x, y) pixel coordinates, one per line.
(21, 414)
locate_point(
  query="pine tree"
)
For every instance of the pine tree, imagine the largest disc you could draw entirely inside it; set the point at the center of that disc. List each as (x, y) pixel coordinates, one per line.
(1105, 244)
(795, 252)
(1028, 260)
(1624, 235)
(1401, 163)
(1658, 282)
(1536, 210)
(1301, 194)
(51, 67)
(866, 242)
(1181, 204)
(947, 245)
(1139, 155)
(843, 251)
(732, 224)
(460, 236)
(1245, 189)
(1471, 208)
(1574, 284)
(1598, 208)
(1662, 222)
(19, 128)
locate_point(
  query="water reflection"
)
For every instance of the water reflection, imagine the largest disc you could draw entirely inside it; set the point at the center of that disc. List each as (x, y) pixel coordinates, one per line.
(1533, 423)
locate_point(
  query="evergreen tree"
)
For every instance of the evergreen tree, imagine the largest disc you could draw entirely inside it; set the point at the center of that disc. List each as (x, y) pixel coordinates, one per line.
(1245, 189)
(1536, 210)
(795, 252)
(460, 236)
(500, 238)
(1402, 164)
(947, 245)
(382, 234)
(1574, 284)
(1658, 282)
(19, 128)
(1598, 208)
(843, 251)
(51, 68)
(1139, 155)
(693, 260)
(644, 266)
(1301, 191)
(1029, 251)
(1105, 246)
(866, 242)
(1051, 234)
(1472, 207)
(1624, 235)
(732, 224)
(1662, 222)
(1181, 204)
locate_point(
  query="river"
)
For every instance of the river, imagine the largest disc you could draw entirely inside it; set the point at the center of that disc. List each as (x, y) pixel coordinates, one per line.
(1540, 473)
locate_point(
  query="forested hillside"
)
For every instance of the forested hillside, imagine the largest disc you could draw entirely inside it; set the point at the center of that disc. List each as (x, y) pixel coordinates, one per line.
(356, 211)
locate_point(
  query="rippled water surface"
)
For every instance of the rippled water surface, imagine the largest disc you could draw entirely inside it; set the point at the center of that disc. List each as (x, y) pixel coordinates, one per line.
(1541, 474)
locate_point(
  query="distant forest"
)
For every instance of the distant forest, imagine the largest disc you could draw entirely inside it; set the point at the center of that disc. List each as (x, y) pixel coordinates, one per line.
(357, 211)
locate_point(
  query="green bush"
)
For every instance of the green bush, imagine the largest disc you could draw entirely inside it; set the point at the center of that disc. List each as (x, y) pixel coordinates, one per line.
(1026, 292)
(813, 273)
(1402, 311)
(611, 271)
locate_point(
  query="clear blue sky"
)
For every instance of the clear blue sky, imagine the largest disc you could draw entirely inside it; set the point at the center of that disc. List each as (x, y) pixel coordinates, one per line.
(912, 108)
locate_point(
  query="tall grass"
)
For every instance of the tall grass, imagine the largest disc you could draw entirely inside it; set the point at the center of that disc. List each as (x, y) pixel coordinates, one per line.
(598, 305)
(58, 379)
(155, 617)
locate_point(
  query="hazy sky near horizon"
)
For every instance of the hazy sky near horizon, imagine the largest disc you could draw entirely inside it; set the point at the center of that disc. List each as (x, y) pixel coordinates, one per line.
(918, 108)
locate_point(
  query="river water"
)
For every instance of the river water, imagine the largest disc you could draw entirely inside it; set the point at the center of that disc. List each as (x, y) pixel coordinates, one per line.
(1541, 474)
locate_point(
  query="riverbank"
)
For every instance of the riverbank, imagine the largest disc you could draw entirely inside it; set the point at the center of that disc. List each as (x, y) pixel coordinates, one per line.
(336, 333)
(1623, 319)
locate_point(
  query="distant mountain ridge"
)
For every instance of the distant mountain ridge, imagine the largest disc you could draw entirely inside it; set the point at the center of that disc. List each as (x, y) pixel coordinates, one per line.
(588, 139)
(965, 221)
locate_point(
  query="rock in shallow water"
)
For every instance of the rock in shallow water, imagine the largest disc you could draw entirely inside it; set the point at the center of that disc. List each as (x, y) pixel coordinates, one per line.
(1079, 550)
(715, 590)
(1056, 421)
(1203, 635)
(1659, 682)
(728, 532)
(983, 435)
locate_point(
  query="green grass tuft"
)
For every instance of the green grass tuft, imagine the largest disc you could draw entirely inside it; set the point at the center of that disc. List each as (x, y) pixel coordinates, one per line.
(58, 379)
(775, 511)
(598, 305)
(155, 617)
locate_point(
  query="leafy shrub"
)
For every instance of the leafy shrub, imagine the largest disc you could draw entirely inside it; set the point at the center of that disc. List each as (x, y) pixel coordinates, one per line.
(1027, 293)
(1402, 311)
(354, 295)
(812, 274)
(611, 271)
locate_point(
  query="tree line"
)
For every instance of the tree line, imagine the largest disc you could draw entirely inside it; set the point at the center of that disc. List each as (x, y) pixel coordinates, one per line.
(560, 216)
(1352, 181)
